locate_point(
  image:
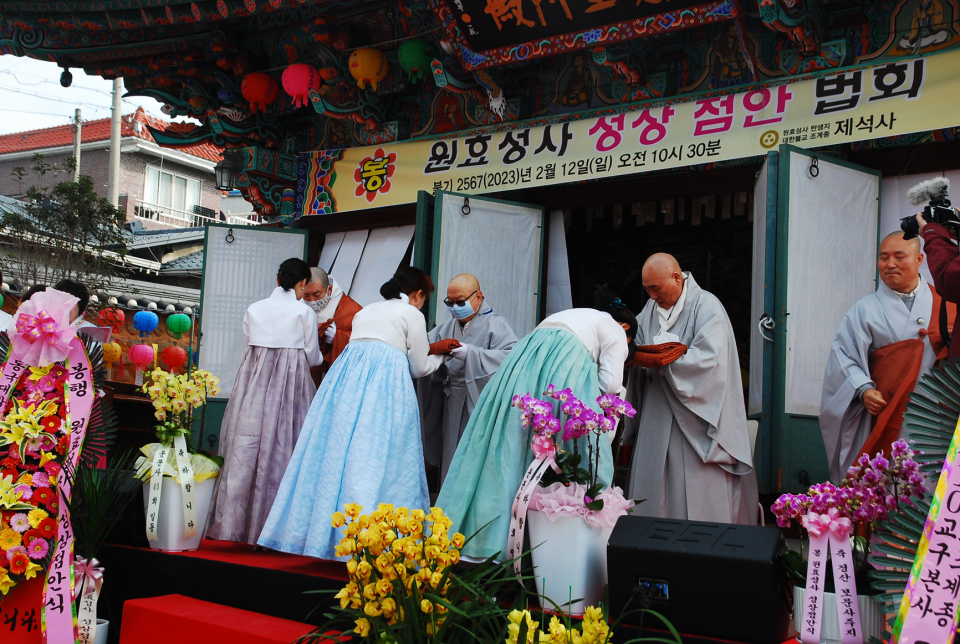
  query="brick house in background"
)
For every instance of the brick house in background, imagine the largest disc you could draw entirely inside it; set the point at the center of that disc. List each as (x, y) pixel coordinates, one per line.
(160, 187)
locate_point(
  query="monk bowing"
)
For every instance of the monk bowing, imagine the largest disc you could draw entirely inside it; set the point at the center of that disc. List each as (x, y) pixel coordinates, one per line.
(885, 343)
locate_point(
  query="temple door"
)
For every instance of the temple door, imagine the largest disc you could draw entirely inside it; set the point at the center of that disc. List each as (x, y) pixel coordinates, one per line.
(501, 242)
(827, 227)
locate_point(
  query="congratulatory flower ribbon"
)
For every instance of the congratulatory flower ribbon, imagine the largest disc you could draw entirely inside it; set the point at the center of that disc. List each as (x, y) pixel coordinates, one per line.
(34, 328)
(89, 580)
(830, 533)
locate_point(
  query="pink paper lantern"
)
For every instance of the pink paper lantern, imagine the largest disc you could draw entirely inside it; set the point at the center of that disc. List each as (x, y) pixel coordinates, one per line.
(141, 355)
(298, 80)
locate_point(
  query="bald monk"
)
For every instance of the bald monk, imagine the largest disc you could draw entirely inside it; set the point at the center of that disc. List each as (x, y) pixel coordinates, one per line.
(692, 458)
(885, 343)
(335, 311)
(449, 395)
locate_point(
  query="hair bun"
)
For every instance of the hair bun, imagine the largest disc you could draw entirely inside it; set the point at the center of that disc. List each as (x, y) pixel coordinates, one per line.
(605, 298)
(390, 290)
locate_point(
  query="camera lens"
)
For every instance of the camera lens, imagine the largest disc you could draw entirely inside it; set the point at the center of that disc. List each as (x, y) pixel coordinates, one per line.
(910, 227)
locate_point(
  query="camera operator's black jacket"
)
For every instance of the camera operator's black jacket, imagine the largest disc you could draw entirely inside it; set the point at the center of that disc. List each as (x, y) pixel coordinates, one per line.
(943, 259)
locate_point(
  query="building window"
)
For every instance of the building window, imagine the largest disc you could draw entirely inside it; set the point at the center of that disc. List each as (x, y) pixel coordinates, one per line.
(170, 199)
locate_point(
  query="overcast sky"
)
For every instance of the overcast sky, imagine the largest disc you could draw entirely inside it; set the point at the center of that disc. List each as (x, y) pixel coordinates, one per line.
(31, 96)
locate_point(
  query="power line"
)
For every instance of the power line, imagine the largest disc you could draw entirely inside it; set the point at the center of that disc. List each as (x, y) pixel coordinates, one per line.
(66, 116)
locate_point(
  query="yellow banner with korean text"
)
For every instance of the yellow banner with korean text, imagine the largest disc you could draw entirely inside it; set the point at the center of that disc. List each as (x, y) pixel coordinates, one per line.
(885, 100)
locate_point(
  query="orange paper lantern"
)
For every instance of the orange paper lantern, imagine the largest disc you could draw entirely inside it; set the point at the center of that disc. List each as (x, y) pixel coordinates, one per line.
(260, 89)
(368, 66)
(298, 80)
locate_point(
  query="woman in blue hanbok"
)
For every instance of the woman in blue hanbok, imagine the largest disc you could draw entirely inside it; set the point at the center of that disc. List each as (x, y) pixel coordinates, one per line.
(360, 441)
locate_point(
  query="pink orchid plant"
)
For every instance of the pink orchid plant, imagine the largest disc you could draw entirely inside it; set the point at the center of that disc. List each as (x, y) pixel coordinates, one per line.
(873, 488)
(581, 421)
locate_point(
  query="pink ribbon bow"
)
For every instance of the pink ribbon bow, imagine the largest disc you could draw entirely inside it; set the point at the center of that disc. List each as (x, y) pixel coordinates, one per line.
(832, 522)
(33, 328)
(87, 573)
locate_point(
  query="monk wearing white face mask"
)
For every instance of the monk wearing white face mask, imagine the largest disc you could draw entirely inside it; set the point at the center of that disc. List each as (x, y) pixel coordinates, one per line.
(335, 311)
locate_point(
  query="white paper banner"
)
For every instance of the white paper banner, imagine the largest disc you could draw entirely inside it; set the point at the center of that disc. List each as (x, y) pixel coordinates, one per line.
(156, 488)
(185, 474)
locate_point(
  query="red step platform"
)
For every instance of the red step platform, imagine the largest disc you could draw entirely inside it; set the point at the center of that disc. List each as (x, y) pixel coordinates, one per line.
(181, 619)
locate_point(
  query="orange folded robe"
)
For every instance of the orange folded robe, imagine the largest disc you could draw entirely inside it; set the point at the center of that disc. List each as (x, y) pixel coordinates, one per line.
(654, 356)
(895, 369)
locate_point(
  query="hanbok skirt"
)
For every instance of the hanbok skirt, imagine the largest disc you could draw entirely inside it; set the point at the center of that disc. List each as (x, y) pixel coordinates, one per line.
(494, 451)
(360, 444)
(262, 421)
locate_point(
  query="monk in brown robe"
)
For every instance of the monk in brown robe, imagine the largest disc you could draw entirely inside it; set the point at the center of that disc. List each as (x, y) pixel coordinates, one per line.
(885, 343)
(335, 311)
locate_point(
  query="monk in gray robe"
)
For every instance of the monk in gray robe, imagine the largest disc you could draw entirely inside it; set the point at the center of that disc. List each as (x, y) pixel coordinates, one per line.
(885, 343)
(448, 396)
(692, 458)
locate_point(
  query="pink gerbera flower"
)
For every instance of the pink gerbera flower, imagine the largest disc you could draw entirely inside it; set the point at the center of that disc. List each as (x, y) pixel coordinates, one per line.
(25, 493)
(38, 549)
(14, 550)
(42, 479)
(19, 522)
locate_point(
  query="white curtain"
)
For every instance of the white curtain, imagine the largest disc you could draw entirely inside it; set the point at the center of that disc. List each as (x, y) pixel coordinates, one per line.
(331, 246)
(559, 297)
(381, 257)
(500, 244)
(832, 263)
(236, 275)
(351, 250)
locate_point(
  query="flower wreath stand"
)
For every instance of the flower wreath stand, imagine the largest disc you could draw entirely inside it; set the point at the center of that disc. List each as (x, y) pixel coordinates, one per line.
(178, 482)
(569, 513)
(874, 490)
(52, 424)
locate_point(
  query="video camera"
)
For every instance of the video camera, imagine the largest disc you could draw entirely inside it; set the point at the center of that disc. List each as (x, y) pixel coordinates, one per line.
(938, 209)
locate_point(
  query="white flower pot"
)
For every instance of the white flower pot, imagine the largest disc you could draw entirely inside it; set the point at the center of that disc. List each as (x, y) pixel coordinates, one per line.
(570, 560)
(103, 629)
(871, 617)
(170, 522)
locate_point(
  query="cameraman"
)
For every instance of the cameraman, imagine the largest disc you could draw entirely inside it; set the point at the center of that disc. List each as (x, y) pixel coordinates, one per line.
(943, 260)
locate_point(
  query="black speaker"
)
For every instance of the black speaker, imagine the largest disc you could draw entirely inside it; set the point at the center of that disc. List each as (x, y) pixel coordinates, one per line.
(714, 580)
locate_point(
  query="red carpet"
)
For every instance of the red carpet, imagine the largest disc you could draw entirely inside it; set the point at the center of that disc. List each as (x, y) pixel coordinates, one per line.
(175, 618)
(243, 554)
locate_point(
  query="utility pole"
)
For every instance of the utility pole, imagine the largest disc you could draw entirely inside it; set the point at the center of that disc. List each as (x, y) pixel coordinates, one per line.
(76, 143)
(113, 184)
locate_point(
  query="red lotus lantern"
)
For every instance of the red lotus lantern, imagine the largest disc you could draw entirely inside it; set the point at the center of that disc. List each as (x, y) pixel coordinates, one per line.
(298, 80)
(112, 318)
(173, 357)
(260, 89)
(141, 355)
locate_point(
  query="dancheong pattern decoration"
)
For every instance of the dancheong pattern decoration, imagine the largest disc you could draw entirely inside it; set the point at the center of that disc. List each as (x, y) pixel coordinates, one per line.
(480, 64)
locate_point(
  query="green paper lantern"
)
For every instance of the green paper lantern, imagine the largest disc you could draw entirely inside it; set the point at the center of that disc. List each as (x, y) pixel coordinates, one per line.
(415, 56)
(178, 324)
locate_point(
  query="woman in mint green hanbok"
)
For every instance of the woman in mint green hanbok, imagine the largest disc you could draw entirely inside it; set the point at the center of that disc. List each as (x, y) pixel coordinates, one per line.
(583, 349)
